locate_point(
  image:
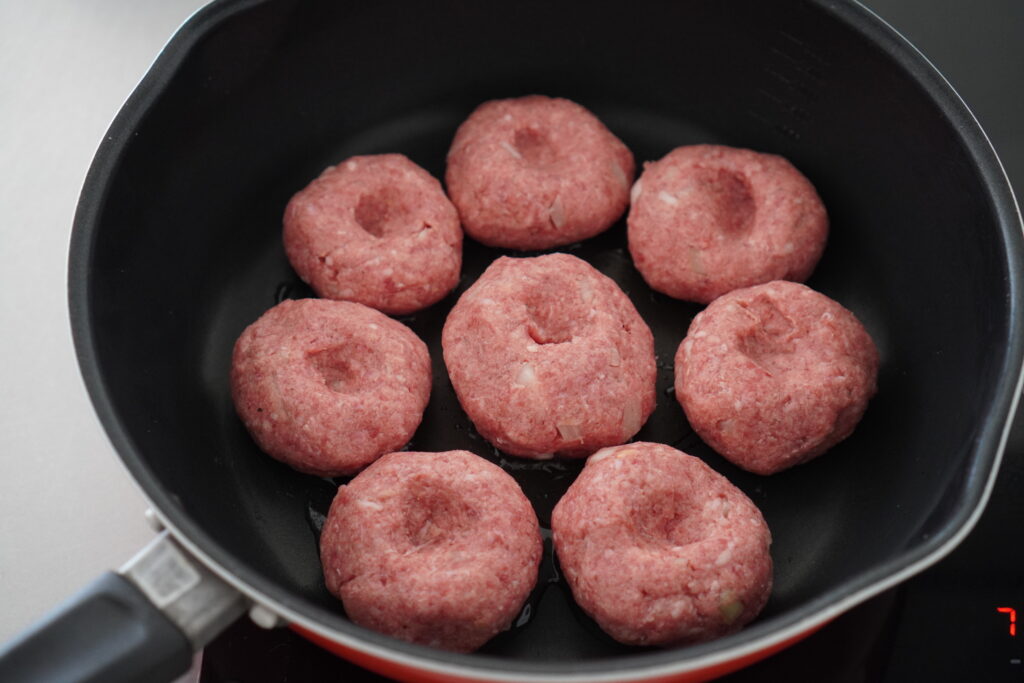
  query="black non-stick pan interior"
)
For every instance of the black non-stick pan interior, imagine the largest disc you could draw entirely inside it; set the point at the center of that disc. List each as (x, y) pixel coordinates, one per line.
(177, 248)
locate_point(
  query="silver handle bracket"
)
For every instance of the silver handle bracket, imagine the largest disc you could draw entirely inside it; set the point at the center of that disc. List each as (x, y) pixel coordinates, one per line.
(190, 595)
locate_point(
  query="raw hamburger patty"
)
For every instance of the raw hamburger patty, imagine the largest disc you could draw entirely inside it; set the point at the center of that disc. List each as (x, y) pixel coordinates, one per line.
(439, 549)
(708, 219)
(377, 230)
(660, 549)
(329, 386)
(549, 357)
(773, 375)
(537, 172)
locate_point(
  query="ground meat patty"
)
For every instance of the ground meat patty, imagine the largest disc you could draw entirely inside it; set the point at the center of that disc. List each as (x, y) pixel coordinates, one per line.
(708, 219)
(659, 548)
(773, 375)
(439, 549)
(329, 386)
(377, 230)
(537, 172)
(549, 357)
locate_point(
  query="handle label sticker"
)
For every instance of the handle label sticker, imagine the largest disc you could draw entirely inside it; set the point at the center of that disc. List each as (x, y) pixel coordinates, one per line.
(164, 574)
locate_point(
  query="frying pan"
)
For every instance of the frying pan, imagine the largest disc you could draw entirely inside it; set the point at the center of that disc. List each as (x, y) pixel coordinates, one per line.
(176, 248)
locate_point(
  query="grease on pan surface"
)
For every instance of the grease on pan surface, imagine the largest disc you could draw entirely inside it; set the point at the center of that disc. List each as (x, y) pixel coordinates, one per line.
(439, 549)
(707, 219)
(773, 375)
(329, 386)
(537, 172)
(660, 549)
(549, 357)
(377, 230)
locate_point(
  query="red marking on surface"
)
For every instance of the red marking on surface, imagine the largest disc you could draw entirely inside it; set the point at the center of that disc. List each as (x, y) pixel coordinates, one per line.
(1013, 618)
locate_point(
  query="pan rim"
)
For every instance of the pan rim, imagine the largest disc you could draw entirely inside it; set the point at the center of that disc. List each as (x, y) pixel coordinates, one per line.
(989, 444)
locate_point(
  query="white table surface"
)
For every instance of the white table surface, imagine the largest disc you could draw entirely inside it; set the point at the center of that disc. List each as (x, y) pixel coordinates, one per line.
(68, 509)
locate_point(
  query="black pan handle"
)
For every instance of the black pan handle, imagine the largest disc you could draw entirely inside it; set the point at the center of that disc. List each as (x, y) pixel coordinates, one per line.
(108, 632)
(137, 626)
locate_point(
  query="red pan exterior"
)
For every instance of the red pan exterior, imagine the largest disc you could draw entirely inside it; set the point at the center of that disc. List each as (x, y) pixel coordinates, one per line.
(407, 674)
